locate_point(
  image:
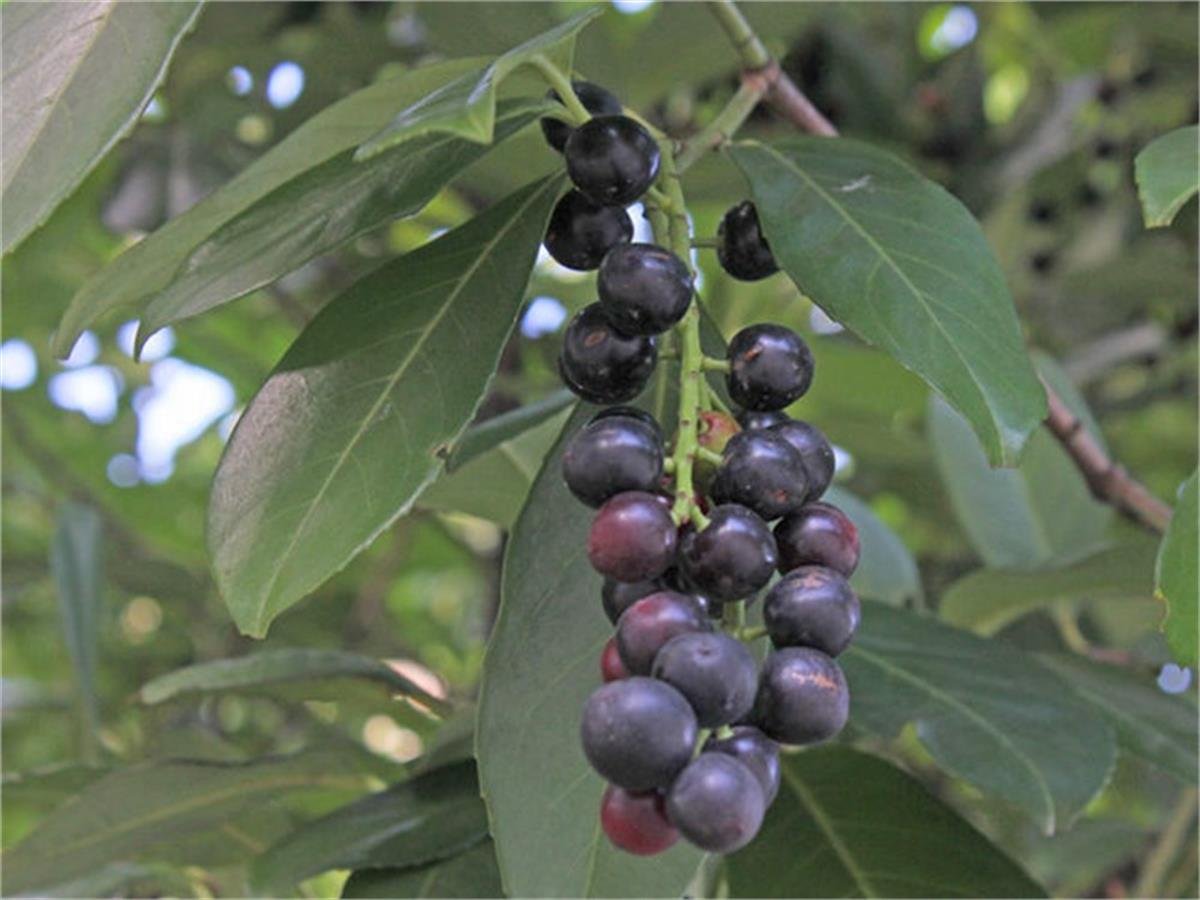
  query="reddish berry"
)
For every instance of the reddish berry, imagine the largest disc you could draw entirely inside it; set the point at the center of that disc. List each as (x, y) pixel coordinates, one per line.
(633, 537)
(611, 667)
(819, 534)
(637, 823)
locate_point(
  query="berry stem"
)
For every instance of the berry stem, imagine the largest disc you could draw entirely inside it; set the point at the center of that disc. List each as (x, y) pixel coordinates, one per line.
(733, 617)
(557, 79)
(722, 128)
(711, 364)
(708, 455)
(753, 633)
(704, 243)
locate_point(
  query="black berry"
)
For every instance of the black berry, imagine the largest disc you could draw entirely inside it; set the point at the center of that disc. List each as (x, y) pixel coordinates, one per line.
(643, 288)
(645, 627)
(717, 803)
(812, 607)
(581, 231)
(741, 248)
(802, 696)
(602, 365)
(714, 672)
(814, 449)
(638, 733)
(758, 752)
(732, 557)
(819, 534)
(618, 596)
(595, 99)
(763, 471)
(637, 823)
(632, 538)
(612, 159)
(631, 412)
(610, 456)
(769, 367)
(761, 419)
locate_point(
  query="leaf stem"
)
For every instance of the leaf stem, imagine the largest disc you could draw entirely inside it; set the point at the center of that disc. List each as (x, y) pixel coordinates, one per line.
(750, 49)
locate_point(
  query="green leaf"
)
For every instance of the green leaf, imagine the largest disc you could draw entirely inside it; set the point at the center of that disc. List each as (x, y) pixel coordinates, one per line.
(357, 417)
(847, 824)
(986, 711)
(1175, 575)
(470, 874)
(431, 817)
(78, 568)
(1150, 724)
(480, 439)
(149, 266)
(886, 570)
(1167, 172)
(987, 600)
(541, 665)
(126, 813)
(76, 78)
(901, 263)
(316, 212)
(467, 106)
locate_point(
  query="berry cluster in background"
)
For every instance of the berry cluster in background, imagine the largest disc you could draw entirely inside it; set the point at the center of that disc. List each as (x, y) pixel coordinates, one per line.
(687, 726)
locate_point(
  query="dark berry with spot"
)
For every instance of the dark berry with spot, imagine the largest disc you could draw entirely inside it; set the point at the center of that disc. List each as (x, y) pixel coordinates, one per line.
(638, 733)
(610, 456)
(714, 671)
(812, 607)
(819, 534)
(644, 289)
(633, 537)
(595, 99)
(741, 248)
(812, 445)
(758, 752)
(581, 231)
(612, 159)
(761, 419)
(637, 823)
(717, 803)
(762, 471)
(600, 364)
(611, 667)
(769, 367)
(732, 557)
(802, 696)
(645, 627)
(618, 596)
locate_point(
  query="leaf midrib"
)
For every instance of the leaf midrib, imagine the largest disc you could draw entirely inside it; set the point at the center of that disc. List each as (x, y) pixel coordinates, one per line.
(826, 826)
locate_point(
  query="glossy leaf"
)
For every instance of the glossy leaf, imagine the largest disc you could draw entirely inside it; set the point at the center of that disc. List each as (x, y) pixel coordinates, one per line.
(847, 824)
(1168, 174)
(470, 874)
(356, 418)
(76, 78)
(466, 107)
(986, 711)
(899, 261)
(886, 570)
(1176, 575)
(317, 212)
(149, 266)
(434, 816)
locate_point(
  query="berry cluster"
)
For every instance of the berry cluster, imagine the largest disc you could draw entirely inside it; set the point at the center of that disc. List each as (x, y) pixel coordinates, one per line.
(686, 727)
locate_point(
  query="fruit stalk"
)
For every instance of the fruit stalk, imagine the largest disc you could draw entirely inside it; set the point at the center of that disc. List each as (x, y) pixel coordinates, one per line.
(563, 87)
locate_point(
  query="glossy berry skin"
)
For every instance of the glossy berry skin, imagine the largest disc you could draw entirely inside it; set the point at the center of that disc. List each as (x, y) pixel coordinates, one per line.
(632, 538)
(717, 803)
(812, 607)
(769, 367)
(762, 471)
(600, 364)
(644, 289)
(612, 159)
(760, 420)
(732, 557)
(595, 99)
(638, 733)
(741, 248)
(611, 667)
(618, 596)
(715, 672)
(814, 449)
(647, 626)
(582, 231)
(637, 823)
(756, 751)
(630, 412)
(819, 534)
(610, 456)
(802, 696)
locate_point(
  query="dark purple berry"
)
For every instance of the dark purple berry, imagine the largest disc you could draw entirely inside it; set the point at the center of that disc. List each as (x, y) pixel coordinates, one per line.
(769, 367)
(717, 803)
(741, 248)
(645, 627)
(631, 412)
(814, 449)
(638, 733)
(611, 456)
(637, 823)
(600, 364)
(581, 232)
(595, 99)
(802, 696)
(714, 672)
(612, 159)
(761, 470)
(812, 607)
(632, 538)
(758, 752)
(618, 596)
(611, 667)
(819, 534)
(761, 419)
(644, 289)
(732, 557)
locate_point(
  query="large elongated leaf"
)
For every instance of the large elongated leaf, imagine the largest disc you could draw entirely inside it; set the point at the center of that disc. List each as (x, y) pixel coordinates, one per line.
(149, 266)
(886, 570)
(986, 711)
(902, 264)
(76, 77)
(485, 437)
(847, 824)
(1176, 574)
(318, 212)
(354, 421)
(467, 106)
(432, 817)
(1168, 174)
(123, 814)
(470, 874)
(78, 567)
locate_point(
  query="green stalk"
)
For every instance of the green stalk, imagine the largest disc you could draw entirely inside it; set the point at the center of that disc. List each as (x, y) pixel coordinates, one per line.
(750, 50)
(561, 84)
(722, 128)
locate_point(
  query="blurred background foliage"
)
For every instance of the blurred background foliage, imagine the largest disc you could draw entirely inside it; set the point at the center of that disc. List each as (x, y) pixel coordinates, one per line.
(1030, 112)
